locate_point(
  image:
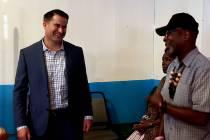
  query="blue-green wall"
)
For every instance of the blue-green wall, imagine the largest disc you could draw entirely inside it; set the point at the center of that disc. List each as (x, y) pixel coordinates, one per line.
(126, 101)
(6, 109)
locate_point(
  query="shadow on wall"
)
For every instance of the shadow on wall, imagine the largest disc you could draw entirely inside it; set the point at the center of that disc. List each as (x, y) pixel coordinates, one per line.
(15, 47)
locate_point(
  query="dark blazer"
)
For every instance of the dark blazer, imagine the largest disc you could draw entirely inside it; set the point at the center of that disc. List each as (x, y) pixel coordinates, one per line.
(31, 83)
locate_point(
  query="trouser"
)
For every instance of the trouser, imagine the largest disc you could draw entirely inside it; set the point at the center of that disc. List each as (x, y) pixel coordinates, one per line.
(62, 126)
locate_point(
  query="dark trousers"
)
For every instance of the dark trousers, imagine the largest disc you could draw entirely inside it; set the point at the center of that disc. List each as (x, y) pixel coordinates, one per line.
(62, 126)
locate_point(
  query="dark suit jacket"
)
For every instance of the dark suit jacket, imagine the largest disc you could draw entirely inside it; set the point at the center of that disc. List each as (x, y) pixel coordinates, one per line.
(31, 82)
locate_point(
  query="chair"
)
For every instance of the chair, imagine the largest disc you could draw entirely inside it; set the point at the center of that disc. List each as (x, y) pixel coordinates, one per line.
(101, 129)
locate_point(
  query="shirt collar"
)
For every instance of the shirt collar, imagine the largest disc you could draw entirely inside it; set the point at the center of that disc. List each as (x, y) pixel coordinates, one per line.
(46, 49)
(188, 58)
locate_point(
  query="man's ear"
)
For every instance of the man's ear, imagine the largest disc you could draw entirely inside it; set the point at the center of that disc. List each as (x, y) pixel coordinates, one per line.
(186, 35)
(44, 24)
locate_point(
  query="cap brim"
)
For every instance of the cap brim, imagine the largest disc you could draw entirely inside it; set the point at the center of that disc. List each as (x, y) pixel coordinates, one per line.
(162, 30)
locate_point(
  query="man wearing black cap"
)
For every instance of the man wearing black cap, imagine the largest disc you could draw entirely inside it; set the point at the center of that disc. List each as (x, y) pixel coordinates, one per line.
(185, 97)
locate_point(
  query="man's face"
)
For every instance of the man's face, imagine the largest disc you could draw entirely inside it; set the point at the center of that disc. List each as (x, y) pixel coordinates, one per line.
(173, 40)
(55, 29)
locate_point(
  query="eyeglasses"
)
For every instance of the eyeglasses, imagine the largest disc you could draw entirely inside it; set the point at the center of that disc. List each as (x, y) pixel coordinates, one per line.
(170, 32)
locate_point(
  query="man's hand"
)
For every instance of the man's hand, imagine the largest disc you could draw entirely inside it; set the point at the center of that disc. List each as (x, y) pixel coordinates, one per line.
(87, 125)
(3, 134)
(23, 134)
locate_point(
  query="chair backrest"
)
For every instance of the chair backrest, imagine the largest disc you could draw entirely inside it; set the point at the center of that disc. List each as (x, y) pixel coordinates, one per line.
(100, 112)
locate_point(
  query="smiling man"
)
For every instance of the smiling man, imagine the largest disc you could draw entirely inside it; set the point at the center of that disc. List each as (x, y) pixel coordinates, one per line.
(185, 96)
(51, 92)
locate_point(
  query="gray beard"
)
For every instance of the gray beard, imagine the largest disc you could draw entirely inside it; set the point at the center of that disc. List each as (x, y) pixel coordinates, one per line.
(173, 50)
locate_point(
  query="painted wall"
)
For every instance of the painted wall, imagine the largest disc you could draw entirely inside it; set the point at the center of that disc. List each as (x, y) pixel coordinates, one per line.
(122, 52)
(206, 28)
(113, 34)
(117, 36)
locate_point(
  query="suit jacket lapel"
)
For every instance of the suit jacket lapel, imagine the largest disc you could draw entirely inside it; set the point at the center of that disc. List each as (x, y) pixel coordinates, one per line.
(68, 58)
(41, 60)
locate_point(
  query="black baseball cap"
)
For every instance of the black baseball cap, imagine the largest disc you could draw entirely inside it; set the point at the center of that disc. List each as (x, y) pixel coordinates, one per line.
(182, 20)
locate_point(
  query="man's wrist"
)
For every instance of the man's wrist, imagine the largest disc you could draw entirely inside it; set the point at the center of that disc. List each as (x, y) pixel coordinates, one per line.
(159, 138)
(88, 117)
(21, 127)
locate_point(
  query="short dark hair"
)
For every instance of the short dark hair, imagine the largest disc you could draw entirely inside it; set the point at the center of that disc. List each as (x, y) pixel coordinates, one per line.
(48, 16)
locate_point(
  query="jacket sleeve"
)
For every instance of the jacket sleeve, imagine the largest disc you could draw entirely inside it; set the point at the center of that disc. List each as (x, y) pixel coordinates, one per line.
(85, 87)
(20, 92)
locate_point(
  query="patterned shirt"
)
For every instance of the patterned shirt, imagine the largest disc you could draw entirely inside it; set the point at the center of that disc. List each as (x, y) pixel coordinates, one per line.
(193, 91)
(55, 63)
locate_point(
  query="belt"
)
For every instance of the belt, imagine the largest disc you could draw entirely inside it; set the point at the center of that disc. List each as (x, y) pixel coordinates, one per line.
(59, 112)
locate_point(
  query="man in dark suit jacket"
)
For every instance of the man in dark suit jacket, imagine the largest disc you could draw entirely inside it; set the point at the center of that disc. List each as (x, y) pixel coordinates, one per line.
(51, 92)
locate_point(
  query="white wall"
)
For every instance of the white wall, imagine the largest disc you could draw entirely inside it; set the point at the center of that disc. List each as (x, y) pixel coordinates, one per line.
(206, 28)
(117, 36)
